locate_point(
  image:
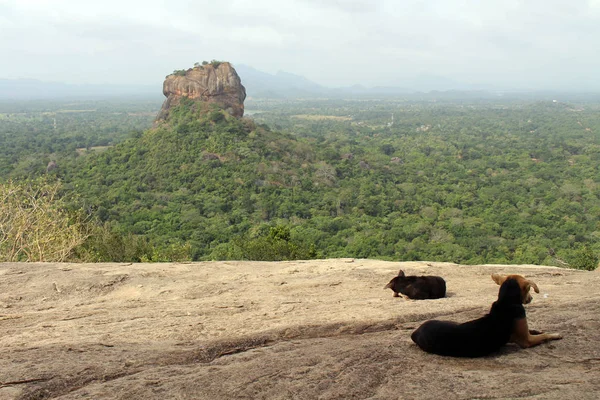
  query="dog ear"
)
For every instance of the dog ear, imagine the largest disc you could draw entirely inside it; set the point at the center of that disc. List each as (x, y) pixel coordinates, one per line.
(499, 279)
(534, 286)
(401, 273)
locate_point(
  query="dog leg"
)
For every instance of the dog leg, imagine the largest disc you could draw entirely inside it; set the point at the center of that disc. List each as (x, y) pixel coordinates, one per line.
(534, 340)
(526, 338)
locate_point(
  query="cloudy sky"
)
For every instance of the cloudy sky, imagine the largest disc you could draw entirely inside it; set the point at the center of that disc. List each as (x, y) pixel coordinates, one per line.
(518, 44)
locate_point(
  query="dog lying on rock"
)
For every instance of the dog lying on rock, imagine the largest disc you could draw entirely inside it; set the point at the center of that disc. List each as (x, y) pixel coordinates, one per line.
(506, 322)
(417, 287)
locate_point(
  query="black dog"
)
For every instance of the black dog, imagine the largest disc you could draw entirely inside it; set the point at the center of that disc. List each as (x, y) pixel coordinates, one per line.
(418, 287)
(506, 322)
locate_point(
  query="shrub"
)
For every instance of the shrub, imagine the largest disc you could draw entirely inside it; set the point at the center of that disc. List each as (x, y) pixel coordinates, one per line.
(106, 244)
(585, 259)
(277, 245)
(216, 63)
(216, 116)
(35, 224)
(175, 252)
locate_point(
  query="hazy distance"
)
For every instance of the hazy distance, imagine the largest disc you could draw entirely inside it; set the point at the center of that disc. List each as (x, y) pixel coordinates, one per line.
(416, 45)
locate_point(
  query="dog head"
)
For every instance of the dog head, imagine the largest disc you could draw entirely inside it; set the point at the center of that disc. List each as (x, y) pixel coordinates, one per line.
(524, 285)
(392, 283)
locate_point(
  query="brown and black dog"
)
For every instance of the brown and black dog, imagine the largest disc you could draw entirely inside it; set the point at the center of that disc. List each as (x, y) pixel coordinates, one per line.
(506, 322)
(417, 287)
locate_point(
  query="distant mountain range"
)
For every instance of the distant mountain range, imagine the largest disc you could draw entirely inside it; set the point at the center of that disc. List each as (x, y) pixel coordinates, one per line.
(286, 85)
(280, 85)
(32, 89)
(259, 84)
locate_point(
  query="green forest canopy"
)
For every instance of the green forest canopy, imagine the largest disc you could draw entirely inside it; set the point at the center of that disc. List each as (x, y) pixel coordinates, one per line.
(489, 182)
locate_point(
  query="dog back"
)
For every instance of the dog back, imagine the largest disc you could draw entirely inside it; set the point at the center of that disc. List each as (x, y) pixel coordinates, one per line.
(419, 287)
(478, 337)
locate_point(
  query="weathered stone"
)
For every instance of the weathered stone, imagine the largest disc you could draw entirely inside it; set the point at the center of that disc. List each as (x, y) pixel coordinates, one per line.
(212, 83)
(210, 156)
(51, 166)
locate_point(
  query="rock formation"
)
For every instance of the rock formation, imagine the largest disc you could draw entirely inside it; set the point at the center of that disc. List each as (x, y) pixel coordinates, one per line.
(216, 82)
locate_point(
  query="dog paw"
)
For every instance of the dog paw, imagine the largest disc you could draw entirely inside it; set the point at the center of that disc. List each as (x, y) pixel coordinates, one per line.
(555, 336)
(535, 332)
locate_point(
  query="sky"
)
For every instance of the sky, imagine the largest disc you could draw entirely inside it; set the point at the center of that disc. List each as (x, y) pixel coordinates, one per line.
(504, 44)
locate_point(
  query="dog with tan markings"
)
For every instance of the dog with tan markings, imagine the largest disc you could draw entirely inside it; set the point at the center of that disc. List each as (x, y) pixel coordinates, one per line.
(524, 284)
(505, 323)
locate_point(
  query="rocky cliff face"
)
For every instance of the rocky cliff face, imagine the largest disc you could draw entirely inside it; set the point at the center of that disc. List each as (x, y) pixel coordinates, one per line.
(212, 83)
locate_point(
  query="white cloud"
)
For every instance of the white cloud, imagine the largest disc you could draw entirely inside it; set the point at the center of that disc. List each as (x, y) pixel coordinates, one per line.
(334, 42)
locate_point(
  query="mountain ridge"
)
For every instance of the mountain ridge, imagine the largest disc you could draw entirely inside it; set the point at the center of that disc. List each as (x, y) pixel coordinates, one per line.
(34, 89)
(259, 84)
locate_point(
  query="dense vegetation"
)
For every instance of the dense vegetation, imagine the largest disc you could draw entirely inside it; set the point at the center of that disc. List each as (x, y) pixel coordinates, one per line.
(487, 182)
(34, 133)
(493, 182)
